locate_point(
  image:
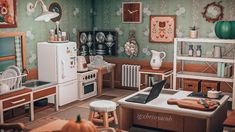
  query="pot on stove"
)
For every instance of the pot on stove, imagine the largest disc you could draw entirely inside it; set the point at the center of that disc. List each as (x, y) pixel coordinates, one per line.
(82, 65)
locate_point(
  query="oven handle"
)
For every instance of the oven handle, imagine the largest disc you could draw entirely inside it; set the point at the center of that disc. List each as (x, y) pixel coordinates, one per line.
(88, 83)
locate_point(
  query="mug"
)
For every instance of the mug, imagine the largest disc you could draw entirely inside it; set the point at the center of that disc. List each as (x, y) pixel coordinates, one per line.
(4, 88)
(217, 52)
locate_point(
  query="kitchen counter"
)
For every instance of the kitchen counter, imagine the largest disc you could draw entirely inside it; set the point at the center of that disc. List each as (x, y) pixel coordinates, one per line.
(159, 105)
(27, 95)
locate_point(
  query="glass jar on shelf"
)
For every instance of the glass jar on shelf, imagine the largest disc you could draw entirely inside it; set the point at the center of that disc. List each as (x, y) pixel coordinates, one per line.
(190, 50)
(198, 51)
(52, 35)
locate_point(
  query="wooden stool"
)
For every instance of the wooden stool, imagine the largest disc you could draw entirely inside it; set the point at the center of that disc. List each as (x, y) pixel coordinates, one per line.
(103, 111)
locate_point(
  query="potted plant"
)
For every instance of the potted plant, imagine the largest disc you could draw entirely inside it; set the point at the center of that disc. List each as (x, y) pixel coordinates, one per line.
(193, 32)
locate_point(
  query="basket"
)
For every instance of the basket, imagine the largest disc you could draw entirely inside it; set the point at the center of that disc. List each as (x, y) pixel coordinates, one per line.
(192, 85)
(209, 85)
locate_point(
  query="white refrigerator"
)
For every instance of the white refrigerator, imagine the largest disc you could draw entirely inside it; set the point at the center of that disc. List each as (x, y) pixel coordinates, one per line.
(57, 62)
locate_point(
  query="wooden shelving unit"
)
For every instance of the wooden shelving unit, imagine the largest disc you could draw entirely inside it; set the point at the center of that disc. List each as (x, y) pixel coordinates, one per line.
(182, 57)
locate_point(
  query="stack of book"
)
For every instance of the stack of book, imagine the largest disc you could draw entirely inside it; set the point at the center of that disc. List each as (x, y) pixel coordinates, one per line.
(224, 69)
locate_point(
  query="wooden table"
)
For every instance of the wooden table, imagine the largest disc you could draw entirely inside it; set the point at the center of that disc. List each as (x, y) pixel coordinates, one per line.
(102, 71)
(163, 72)
(158, 114)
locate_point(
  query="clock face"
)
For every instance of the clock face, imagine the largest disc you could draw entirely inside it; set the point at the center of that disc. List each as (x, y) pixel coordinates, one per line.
(132, 12)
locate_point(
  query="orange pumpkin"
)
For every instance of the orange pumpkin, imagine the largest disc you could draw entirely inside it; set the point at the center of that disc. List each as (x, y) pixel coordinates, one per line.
(80, 125)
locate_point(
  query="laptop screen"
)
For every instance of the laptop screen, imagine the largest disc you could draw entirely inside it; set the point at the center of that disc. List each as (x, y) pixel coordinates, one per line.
(156, 90)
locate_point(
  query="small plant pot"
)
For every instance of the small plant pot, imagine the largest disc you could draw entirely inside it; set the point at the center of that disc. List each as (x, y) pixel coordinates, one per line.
(193, 34)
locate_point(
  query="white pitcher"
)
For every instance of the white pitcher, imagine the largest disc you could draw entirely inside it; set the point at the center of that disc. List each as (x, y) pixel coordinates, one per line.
(156, 60)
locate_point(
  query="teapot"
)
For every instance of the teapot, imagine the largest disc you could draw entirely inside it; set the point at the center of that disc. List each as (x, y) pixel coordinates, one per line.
(156, 60)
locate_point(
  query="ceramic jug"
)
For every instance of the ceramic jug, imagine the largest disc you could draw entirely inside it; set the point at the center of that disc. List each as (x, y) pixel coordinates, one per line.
(156, 60)
(217, 52)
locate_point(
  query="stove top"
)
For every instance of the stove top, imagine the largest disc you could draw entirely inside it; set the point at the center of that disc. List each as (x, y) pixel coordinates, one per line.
(83, 71)
(87, 76)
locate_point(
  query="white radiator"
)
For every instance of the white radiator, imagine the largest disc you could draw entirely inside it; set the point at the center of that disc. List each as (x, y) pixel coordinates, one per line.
(130, 75)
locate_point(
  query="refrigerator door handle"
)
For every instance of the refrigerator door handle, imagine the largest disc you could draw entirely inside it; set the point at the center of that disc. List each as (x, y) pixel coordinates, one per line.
(62, 68)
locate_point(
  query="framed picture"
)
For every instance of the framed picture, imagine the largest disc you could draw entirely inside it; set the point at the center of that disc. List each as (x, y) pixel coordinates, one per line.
(8, 14)
(162, 28)
(132, 12)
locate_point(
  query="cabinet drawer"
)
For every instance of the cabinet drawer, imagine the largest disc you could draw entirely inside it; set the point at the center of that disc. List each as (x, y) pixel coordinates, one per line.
(16, 101)
(43, 93)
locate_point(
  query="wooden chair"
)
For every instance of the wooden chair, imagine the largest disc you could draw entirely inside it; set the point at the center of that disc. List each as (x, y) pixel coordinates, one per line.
(15, 127)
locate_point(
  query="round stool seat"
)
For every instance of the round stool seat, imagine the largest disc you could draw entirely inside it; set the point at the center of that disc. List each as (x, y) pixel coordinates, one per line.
(103, 106)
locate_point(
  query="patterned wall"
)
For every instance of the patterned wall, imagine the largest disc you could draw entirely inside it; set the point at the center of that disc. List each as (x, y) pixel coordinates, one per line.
(76, 15)
(108, 15)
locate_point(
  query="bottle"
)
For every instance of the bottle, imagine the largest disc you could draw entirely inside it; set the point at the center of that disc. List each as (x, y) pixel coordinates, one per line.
(190, 50)
(52, 35)
(59, 36)
(198, 51)
(57, 28)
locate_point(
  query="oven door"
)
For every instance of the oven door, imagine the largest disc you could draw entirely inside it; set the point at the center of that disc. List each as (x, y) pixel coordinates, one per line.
(87, 90)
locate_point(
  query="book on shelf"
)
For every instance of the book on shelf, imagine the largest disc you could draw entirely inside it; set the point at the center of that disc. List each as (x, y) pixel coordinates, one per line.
(224, 70)
(219, 65)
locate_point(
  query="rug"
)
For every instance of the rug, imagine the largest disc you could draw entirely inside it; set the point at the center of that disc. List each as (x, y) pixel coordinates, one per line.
(106, 97)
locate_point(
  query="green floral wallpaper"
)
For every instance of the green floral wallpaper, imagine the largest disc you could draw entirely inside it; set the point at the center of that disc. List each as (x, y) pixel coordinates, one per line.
(76, 15)
(108, 15)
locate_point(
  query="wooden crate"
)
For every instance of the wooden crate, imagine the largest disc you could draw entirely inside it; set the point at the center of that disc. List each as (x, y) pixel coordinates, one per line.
(209, 85)
(192, 85)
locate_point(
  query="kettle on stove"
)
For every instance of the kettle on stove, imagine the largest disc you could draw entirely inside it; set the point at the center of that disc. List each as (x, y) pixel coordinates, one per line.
(82, 65)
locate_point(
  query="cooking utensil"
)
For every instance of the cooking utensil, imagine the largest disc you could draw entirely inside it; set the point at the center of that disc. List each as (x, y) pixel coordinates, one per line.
(203, 102)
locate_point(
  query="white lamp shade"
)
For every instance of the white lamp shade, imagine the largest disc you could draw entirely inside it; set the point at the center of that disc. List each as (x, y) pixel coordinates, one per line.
(46, 16)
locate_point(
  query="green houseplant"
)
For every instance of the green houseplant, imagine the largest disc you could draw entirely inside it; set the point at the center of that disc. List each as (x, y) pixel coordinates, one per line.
(193, 32)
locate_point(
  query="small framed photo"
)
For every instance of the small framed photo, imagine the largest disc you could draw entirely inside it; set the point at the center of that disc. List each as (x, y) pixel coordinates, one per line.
(8, 14)
(162, 28)
(132, 12)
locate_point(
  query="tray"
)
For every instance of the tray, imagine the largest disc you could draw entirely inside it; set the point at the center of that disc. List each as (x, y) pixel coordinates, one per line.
(194, 104)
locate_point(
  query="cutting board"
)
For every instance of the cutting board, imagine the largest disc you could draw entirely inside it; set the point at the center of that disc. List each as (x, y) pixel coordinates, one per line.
(194, 104)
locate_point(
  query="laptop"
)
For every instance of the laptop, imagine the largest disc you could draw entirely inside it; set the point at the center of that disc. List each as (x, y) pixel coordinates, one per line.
(145, 98)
